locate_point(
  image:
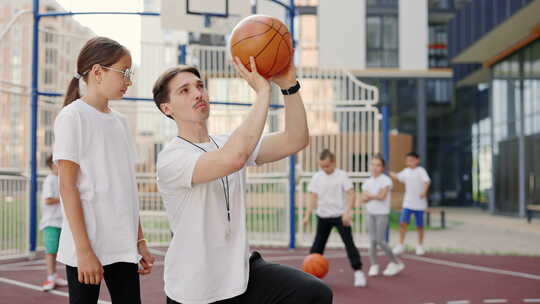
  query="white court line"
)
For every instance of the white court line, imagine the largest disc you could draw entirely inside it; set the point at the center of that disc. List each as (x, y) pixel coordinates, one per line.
(473, 267)
(531, 300)
(492, 301)
(23, 263)
(38, 288)
(23, 268)
(459, 302)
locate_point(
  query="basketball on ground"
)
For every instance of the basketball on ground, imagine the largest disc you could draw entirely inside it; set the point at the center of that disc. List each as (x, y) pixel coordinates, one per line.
(266, 39)
(316, 264)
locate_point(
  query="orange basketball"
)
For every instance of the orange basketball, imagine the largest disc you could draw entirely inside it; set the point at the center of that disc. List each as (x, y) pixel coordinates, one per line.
(316, 265)
(265, 38)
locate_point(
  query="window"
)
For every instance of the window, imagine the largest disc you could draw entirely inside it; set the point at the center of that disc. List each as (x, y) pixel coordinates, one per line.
(50, 56)
(440, 4)
(438, 46)
(50, 9)
(47, 116)
(382, 41)
(49, 35)
(16, 68)
(382, 3)
(308, 42)
(439, 90)
(48, 76)
(49, 137)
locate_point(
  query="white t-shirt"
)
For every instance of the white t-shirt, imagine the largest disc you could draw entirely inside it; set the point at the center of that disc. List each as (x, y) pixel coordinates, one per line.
(51, 215)
(414, 180)
(203, 264)
(100, 143)
(330, 190)
(373, 186)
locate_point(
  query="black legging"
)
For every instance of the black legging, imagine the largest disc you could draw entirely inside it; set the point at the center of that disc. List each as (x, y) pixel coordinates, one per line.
(324, 227)
(122, 280)
(279, 284)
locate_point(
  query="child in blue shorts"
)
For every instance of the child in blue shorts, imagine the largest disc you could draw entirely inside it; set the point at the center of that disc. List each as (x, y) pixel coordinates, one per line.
(417, 183)
(51, 223)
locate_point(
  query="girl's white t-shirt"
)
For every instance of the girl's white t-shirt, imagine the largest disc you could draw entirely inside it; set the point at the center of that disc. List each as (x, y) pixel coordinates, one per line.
(204, 263)
(373, 186)
(51, 215)
(330, 190)
(100, 143)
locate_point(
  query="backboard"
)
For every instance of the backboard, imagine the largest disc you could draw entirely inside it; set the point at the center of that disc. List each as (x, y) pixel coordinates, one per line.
(213, 16)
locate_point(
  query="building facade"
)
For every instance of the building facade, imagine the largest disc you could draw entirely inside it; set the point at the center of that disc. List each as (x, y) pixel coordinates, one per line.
(60, 40)
(495, 46)
(401, 46)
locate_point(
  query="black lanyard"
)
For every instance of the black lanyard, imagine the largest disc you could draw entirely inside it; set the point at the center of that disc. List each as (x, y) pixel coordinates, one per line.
(225, 183)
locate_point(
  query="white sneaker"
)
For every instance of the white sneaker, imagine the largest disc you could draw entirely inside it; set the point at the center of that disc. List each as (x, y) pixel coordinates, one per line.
(392, 269)
(359, 279)
(398, 249)
(420, 250)
(373, 270)
(48, 285)
(60, 282)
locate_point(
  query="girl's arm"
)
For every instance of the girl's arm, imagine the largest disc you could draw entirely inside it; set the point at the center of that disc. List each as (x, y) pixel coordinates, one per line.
(90, 270)
(382, 193)
(147, 260)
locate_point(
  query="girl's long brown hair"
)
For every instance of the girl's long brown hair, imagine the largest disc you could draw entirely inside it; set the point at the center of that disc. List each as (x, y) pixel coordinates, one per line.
(98, 50)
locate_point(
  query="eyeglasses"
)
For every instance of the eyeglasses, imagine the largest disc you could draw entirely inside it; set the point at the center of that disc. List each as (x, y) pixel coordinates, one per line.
(127, 73)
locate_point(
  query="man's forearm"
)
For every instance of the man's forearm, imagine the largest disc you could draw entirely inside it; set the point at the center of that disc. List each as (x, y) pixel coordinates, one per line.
(296, 127)
(246, 137)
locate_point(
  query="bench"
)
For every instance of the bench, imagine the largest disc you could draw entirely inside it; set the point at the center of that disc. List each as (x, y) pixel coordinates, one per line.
(530, 210)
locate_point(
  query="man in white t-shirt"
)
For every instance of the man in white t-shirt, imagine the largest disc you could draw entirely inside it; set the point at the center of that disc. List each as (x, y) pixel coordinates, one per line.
(417, 183)
(202, 180)
(332, 192)
(51, 225)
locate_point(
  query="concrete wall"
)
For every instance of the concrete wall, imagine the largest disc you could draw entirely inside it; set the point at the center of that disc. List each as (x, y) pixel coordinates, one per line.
(342, 34)
(413, 34)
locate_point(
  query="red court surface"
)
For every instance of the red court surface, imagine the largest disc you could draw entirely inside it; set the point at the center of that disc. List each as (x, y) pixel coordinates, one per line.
(433, 278)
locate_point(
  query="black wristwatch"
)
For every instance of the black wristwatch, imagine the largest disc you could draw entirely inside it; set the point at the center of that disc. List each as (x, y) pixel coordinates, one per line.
(292, 89)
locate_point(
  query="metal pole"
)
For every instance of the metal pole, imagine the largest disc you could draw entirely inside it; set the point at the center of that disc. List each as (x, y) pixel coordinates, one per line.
(421, 121)
(386, 151)
(386, 133)
(292, 201)
(492, 194)
(182, 54)
(522, 178)
(292, 159)
(32, 233)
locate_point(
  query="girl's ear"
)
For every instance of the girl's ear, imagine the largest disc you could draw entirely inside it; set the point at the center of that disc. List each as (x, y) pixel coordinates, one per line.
(96, 72)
